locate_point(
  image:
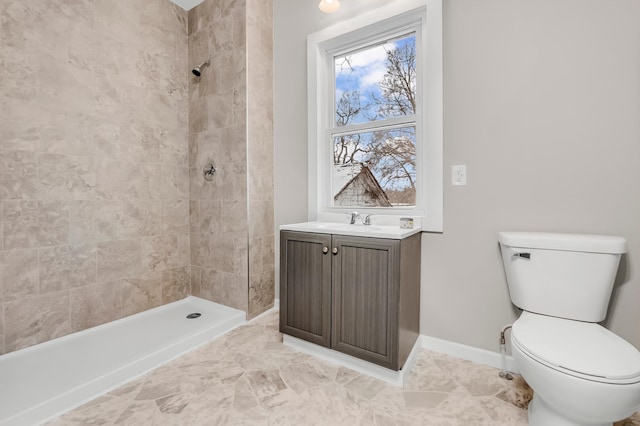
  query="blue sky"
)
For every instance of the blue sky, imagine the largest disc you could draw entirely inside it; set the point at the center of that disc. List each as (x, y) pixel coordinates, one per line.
(363, 71)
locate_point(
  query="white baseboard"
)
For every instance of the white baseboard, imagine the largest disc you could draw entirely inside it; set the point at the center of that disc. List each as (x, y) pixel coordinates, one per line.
(470, 353)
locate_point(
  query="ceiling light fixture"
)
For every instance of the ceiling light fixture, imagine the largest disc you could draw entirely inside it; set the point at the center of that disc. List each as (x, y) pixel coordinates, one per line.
(329, 6)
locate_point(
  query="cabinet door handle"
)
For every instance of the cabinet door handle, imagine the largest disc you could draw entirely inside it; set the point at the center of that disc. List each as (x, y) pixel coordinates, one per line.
(325, 250)
(335, 250)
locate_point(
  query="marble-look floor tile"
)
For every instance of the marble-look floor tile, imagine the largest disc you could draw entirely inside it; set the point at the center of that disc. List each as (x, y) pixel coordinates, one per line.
(248, 377)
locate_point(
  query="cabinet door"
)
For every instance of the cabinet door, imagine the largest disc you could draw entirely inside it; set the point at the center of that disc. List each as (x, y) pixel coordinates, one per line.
(365, 298)
(305, 286)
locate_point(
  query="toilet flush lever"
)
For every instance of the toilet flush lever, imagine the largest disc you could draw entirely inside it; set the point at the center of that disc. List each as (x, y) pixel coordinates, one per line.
(524, 255)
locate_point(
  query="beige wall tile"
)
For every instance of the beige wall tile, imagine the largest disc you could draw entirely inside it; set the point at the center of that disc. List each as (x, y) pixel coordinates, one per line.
(233, 219)
(65, 267)
(95, 304)
(18, 175)
(36, 319)
(126, 218)
(119, 259)
(19, 269)
(94, 147)
(175, 216)
(210, 217)
(227, 289)
(261, 218)
(196, 289)
(165, 252)
(141, 293)
(261, 292)
(2, 349)
(64, 177)
(18, 85)
(35, 223)
(175, 284)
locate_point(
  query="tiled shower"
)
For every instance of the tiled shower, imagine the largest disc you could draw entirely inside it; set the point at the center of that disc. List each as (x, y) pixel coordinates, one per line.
(103, 135)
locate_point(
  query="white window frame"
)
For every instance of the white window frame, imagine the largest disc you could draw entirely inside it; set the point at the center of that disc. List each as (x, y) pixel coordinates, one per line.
(361, 30)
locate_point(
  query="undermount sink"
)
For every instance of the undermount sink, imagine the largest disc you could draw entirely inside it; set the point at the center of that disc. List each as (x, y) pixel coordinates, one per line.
(357, 230)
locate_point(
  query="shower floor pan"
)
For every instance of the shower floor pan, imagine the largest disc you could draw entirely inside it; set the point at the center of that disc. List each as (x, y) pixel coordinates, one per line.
(43, 381)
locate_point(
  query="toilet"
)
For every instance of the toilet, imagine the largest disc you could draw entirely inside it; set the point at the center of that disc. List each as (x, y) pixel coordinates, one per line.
(580, 372)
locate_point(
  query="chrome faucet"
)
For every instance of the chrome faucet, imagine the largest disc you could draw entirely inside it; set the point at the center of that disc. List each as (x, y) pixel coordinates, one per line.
(354, 217)
(367, 220)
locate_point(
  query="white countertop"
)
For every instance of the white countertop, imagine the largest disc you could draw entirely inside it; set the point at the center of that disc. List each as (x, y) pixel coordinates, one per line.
(357, 230)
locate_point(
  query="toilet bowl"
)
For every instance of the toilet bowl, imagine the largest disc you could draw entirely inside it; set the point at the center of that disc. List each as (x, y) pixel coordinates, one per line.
(581, 373)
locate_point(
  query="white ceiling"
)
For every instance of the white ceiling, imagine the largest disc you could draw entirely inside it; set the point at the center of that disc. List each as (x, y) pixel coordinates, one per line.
(187, 4)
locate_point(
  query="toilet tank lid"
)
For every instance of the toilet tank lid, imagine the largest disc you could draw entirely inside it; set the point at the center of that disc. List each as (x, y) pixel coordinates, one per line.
(569, 242)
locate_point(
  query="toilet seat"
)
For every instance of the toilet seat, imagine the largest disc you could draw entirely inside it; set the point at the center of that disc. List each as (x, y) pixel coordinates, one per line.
(580, 349)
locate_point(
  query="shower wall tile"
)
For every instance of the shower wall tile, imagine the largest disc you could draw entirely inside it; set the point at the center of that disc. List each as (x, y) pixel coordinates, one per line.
(19, 274)
(261, 292)
(141, 293)
(210, 285)
(221, 104)
(194, 216)
(119, 259)
(175, 284)
(66, 267)
(36, 319)
(196, 289)
(103, 220)
(117, 179)
(128, 218)
(165, 252)
(235, 291)
(261, 182)
(18, 175)
(174, 182)
(93, 161)
(139, 143)
(29, 126)
(261, 218)
(210, 217)
(261, 254)
(2, 254)
(224, 288)
(234, 181)
(94, 305)
(21, 22)
(233, 219)
(175, 216)
(173, 147)
(35, 223)
(18, 85)
(2, 348)
(62, 177)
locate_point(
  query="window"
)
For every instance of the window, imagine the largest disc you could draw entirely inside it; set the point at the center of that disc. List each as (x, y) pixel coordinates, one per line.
(375, 114)
(374, 128)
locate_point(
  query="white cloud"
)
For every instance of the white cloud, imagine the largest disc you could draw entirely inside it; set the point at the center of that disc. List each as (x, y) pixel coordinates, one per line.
(365, 68)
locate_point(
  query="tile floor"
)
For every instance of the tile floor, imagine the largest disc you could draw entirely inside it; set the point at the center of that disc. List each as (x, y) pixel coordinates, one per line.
(248, 377)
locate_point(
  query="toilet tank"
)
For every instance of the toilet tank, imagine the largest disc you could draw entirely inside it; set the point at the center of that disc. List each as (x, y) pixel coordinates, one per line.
(563, 275)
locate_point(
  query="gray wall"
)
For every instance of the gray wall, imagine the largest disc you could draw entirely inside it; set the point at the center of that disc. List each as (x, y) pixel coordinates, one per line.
(542, 103)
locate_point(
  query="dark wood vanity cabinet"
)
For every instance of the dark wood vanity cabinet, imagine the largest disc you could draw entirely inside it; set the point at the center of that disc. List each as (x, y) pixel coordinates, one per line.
(356, 295)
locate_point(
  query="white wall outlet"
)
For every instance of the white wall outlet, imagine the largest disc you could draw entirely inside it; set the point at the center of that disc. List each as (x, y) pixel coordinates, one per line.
(459, 175)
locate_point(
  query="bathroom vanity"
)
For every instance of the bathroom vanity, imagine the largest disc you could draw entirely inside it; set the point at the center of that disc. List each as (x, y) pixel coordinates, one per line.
(352, 288)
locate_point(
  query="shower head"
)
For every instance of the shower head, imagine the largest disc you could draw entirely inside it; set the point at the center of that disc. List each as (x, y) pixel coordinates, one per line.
(197, 71)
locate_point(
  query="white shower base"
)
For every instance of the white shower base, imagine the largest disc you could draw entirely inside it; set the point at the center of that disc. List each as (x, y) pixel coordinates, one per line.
(46, 380)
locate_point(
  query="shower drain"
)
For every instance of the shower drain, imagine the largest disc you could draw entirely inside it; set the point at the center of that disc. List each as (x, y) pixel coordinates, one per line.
(194, 315)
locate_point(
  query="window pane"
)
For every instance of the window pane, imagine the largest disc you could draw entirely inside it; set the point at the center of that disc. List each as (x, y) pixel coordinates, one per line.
(375, 169)
(376, 83)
